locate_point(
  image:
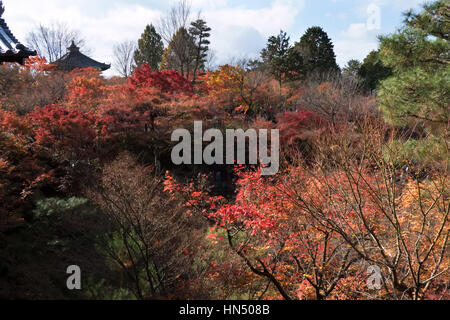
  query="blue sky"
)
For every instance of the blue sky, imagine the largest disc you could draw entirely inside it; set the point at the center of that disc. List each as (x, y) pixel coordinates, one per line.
(240, 28)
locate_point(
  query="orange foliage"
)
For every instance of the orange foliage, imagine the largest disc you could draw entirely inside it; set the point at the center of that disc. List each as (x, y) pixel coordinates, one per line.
(38, 64)
(85, 92)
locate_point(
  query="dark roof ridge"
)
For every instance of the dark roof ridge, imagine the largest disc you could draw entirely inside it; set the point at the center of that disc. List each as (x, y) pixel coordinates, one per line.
(75, 59)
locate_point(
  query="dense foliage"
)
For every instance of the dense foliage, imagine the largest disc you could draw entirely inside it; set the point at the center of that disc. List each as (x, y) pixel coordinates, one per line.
(150, 48)
(86, 173)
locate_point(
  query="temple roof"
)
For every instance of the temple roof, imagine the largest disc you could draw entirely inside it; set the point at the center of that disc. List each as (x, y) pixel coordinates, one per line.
(11, 50)
(75, 59)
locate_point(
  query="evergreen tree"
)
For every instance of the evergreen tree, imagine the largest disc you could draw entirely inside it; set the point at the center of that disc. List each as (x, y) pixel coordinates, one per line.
(352, 68)
(419, 55)
(280, 59)
(200, 32)
(373, 71)
(317, 51)
(150, 48)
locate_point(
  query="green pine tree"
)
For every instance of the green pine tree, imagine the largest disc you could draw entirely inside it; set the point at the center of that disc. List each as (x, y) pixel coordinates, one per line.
(200, 32)
(150, 48)
(280, 59)
(317, 51)
(419, 55)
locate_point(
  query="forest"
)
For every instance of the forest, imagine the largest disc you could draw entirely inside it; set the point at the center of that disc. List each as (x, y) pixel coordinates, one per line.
(359, 209)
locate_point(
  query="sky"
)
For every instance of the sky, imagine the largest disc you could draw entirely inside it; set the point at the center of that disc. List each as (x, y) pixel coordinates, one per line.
(239, 28)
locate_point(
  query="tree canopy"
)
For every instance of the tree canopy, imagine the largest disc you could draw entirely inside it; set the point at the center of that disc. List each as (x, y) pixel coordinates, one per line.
(200, 32)
(180, 55)
(317, 51)
(281, 59)
(419, 55)
(150, 48)
(372, 71)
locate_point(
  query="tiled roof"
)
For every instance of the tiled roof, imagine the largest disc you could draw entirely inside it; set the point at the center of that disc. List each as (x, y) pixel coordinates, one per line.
(11, 50)
(75, 59)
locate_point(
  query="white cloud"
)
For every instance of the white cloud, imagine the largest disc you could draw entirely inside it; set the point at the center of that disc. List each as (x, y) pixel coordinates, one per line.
(402, 5)
(241, 31)
(268, 21)
(236, 31)
(238, 42)
(355, 43)
(359, 40)
(208, 4)
(101, 29)
(355, 31)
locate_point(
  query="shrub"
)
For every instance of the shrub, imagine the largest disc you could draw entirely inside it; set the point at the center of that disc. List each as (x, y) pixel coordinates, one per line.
(165, 81)
(153, 240)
